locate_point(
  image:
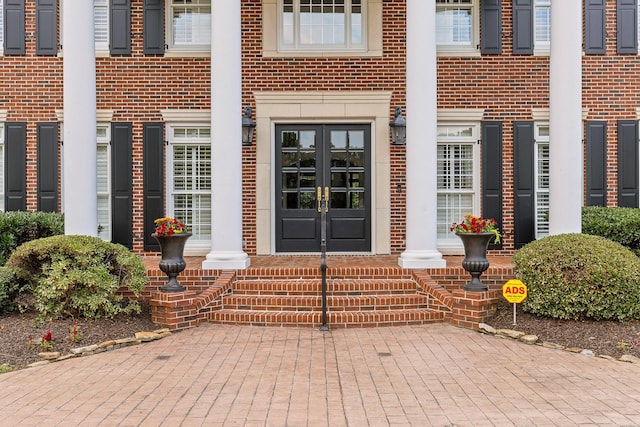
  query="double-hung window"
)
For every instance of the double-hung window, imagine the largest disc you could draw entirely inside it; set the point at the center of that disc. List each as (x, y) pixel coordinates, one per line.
(308, 25)
(189, 183)
(189, 25)
(103, 179)
(457, 25)
(541, 165)
(458, 178)
(101, 25)
(1, 27)
(542, 26)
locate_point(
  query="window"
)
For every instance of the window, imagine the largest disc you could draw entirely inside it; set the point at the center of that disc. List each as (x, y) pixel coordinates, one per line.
(458, 179)
(542, 25)
(322, 25)
(457, 25)
(103, 180)
(101, 24)
(189, 25)
(1, 28)
(541, 165)
(189, 165)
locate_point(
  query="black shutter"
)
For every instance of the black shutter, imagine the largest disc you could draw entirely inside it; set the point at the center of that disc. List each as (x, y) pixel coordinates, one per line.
(46, 27)
(523, 170)
(153, 23)
(121, 184)
(492, 173)
(15, 160)
(120, 27)
(153, 164)
(48, 167)
(14, 36)
(628, 163)
(627, 21)
(594, 26)
(523, 27)
(491, 27)
(596, 163)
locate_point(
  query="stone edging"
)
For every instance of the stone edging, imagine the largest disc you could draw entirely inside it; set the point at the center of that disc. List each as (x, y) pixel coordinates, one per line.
(533, 339)
(139, 338)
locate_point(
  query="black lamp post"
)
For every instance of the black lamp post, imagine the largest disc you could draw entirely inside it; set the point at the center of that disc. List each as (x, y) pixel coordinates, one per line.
(248, 127)
(398, 128)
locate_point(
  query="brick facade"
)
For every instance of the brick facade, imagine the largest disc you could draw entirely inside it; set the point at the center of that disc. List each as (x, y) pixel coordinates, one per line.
(138, 86)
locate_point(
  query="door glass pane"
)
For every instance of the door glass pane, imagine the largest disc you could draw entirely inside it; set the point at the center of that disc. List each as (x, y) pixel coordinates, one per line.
(290, 201)
(308, 160)
(289, 160)
(307, 139)
(356, 159)
(307, 200)
(290, 180)
(338, 159)
(338, 179)
(338, 139)
(338, 200)
(289, 139)
(356, 199)
(356, 139)
(356, 180)
(307, 180)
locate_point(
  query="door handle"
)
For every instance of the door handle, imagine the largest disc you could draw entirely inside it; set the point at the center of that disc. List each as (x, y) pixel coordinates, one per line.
(318, 197)
(326, 199)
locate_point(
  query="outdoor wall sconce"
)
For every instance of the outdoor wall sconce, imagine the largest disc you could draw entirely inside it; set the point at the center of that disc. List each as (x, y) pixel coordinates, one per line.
(248, 127)
(398, 128)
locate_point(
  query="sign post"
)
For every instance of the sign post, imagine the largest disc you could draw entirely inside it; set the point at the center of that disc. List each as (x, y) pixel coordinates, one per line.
(514, 291)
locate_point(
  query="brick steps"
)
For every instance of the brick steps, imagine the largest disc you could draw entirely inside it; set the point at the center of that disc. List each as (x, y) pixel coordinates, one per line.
(350, 303)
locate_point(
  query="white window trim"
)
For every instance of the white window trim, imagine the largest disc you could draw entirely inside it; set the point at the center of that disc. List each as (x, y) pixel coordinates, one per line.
(192, 247)
(106, 141)
(181, 50)
(372, 26)
(454, 246)
(538, 140)
(474, 48)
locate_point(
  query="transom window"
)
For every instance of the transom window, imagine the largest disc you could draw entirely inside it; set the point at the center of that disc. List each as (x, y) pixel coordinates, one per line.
(190, 182)
(103, 178)
(457, 25)
(189, 25)
(322, 24)
(542, 25)
(542, 180)
(458, 181)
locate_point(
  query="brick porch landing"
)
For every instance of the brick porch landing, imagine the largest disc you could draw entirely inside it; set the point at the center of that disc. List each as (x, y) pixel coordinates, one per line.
(362, 291)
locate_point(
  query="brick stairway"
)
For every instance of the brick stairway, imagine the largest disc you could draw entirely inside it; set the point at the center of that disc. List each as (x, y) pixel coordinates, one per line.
(351, 303)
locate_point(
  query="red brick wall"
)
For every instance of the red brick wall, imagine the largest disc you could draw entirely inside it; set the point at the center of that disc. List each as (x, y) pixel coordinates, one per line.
(137, 87)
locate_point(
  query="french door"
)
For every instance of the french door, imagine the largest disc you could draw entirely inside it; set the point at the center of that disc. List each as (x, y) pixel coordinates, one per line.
(316, 162)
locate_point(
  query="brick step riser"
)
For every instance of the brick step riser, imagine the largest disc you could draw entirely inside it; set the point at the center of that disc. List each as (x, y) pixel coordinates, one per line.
(317, 293)
(334, 320)
(275, 303)
(315, 287)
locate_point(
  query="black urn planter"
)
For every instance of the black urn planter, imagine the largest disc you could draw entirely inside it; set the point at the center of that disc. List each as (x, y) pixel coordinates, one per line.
(172, 262)
(475, 258)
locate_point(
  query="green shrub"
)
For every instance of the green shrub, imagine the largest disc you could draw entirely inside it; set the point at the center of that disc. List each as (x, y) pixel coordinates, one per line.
(576, 276)
(8, 289)
(78, 276)
(621, 225)
(17, 228)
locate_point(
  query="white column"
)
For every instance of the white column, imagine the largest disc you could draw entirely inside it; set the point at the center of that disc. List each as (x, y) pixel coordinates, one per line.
(79, 136)
(226, 138)
(421, 154)
(565, 118)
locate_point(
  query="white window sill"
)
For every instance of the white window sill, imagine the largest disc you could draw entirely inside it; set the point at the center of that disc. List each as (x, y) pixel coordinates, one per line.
(458, 53)
(187, 54)
(321, 53)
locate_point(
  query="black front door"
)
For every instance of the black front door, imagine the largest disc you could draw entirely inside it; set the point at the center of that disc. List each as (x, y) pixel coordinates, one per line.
(317, 161)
